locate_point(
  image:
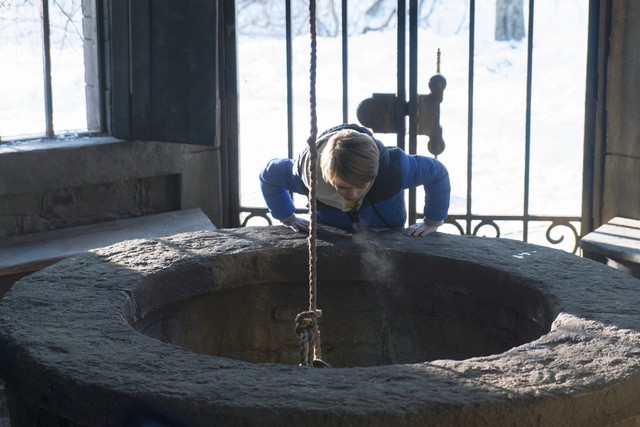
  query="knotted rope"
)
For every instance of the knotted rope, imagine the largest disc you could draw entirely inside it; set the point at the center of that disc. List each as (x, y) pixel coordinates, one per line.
(307, 328)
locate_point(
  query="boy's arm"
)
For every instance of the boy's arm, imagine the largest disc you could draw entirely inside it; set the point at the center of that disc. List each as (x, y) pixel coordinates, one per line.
(433, 175)
(276, 181)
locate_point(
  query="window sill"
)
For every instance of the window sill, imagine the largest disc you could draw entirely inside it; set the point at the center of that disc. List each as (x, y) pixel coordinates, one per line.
(66, 142)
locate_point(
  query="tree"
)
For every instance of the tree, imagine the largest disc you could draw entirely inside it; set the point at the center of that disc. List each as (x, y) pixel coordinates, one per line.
(509, 20)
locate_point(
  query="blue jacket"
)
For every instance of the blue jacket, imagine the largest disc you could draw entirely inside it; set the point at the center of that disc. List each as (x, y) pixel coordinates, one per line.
(384, 204)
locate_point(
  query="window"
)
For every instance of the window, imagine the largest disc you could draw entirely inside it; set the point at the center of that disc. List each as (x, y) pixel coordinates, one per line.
(162, 75)
(49, 83)
(157, 80)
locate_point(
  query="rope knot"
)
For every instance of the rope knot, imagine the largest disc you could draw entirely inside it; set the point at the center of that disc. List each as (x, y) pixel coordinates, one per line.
(306, 321)
(309, 334)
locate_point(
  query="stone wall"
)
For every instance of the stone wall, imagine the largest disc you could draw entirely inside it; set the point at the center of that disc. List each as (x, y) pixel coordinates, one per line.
(65, 183)
(621, 192)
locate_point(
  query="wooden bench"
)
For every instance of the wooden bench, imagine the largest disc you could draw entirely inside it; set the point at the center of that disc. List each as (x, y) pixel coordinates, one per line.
(22, 255)
(616, 243)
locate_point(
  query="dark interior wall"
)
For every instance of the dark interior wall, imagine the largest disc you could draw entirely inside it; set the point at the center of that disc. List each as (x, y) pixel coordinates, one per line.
(59, 184)
(88, 203)
(620, 145)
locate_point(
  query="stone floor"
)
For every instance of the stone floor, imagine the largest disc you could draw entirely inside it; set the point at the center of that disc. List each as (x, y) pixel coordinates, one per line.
(4, 412)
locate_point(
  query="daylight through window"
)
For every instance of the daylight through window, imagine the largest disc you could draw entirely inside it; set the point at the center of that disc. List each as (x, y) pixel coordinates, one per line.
(48, 68)
(512, 115)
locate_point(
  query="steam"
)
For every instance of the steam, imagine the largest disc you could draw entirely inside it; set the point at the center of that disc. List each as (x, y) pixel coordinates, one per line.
(376, 263)
(381, 274)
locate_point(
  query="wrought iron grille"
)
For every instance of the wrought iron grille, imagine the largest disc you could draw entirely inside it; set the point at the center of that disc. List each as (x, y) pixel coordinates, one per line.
(563, 230)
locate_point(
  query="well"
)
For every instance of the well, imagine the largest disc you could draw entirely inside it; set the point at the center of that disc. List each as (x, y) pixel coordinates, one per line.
(197, 330)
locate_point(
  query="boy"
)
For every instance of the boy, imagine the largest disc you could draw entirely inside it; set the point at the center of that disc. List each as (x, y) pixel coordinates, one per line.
(360, 182)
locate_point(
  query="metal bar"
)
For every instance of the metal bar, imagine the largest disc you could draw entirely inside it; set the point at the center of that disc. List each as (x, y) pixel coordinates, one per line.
(46, 57)
(413, 96)
(345, 64)
(413, 76)
(527, 136)
(472, 32)
(260, 211)
(289, 79)
(513, 217)
(401, 109)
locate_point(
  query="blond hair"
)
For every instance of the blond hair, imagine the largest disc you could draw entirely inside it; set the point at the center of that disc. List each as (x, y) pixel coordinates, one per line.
(351, 156)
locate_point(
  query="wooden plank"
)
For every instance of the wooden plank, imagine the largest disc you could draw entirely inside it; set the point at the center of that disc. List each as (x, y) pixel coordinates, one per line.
(141, 71)
(169, 67)
(619, 239)
(117, 57)
(203, 111)
(31, 252)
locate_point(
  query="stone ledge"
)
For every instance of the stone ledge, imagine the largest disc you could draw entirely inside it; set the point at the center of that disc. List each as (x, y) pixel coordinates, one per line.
(31, 252)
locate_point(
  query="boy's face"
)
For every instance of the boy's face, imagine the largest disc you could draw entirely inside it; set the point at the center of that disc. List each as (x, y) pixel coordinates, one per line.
(349, 191)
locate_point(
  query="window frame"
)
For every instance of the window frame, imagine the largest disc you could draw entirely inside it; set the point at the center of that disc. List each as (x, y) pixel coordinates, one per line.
(162, 88)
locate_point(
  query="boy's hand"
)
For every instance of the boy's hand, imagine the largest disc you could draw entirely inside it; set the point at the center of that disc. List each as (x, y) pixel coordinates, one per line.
(420, 229)
(296, 224)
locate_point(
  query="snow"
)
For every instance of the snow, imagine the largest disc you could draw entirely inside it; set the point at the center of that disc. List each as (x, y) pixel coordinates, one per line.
(21, 70)
(499, 106)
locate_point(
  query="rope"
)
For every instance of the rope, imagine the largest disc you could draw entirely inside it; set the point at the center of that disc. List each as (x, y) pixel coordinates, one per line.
(307, 328)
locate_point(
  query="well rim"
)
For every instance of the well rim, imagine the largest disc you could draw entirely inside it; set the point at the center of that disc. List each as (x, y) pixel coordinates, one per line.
(590, 351)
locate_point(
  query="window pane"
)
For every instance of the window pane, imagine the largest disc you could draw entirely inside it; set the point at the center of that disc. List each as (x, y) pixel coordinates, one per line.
(21, 78)
(499, 119)
(74, 76)
(262, 87)
(557, 134)
(262, 82)
(67, 66)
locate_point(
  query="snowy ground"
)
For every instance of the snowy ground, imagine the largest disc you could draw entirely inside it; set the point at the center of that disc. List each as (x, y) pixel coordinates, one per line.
(557, 118)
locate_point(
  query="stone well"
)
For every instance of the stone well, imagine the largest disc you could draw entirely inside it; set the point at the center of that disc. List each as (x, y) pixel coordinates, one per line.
(197, 330)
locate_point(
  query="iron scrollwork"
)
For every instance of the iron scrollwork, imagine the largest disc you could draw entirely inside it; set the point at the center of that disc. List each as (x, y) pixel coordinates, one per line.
(258, 213)
(563, 223)
(457, 221)
(489, 223)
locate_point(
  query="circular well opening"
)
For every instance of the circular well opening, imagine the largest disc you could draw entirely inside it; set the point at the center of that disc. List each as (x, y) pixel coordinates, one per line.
(394, 308)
